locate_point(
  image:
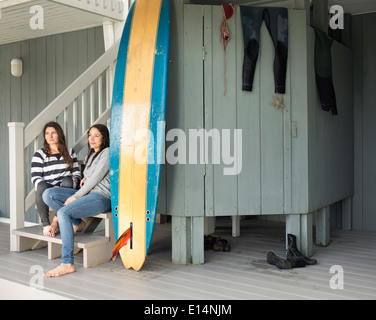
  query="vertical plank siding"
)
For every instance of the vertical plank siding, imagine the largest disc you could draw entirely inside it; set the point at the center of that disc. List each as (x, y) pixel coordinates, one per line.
(283, 172)
(50, 64)
(364, 48)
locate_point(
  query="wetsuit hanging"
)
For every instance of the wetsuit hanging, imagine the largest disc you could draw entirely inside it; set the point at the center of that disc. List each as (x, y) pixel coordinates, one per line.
(276, 20)
(228, 12)
(323, 70)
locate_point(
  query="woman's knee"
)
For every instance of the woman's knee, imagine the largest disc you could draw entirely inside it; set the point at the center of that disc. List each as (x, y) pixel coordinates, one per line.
(42, 186)
(46, 195)
(61, 214)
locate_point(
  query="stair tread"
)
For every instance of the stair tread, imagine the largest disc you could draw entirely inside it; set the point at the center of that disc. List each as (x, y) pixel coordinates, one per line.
(81, 240)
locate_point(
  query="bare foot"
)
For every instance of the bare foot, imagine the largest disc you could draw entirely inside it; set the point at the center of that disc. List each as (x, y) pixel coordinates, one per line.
(47, 231)
(61, 270)
(80, 227)
(54, 227)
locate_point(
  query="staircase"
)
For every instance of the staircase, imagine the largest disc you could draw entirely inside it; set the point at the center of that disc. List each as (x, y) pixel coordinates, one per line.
(85, 102)
(114, 9)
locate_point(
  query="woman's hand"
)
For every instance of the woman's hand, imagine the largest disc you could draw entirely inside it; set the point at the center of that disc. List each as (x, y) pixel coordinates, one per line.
(75, 183)
(69, 200)
(82, 182)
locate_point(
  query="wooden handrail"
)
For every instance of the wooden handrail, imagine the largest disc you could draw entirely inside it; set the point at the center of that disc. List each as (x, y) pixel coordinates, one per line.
(70, 94)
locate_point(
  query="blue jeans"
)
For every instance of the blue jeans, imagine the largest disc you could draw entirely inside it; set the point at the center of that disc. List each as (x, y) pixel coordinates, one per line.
(43, 209)
(71, 214)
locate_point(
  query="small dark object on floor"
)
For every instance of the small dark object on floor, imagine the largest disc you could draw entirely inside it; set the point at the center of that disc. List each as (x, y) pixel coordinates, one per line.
(221, 245)
(209, 242)
(216, 244)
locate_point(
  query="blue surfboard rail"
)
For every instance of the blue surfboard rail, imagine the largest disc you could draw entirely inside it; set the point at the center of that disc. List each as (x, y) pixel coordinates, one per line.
(116, 116)
(157, 118)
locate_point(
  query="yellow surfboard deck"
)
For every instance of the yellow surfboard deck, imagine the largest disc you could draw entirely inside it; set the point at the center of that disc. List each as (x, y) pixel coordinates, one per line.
(135, 130)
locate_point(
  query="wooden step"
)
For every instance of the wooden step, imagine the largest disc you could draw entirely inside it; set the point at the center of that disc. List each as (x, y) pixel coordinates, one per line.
(81, 240)
(96, 248)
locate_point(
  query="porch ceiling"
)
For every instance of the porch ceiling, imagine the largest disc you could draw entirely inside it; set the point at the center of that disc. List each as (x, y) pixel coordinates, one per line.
(356, 6)
(15, 16)
(351, 6)
(15, 19)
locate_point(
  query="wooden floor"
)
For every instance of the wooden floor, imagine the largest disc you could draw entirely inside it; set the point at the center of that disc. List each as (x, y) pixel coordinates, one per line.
(240, 274)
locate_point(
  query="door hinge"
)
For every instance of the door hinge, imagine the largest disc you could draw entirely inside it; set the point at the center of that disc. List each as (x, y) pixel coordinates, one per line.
(294, 129)
(204, 53)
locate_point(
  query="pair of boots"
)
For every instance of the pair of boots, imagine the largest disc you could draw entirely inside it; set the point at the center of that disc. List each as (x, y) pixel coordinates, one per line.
(295, 259)
(216, 243)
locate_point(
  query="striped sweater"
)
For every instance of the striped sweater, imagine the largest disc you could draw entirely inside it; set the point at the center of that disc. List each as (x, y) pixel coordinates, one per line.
(52, 169)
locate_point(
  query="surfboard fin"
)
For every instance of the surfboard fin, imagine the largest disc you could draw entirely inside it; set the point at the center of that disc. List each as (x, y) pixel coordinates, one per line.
(122, 241)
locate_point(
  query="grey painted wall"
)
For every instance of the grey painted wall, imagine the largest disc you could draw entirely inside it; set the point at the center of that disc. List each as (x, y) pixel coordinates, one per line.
(282, 172)
(50, 65)
(364, 47)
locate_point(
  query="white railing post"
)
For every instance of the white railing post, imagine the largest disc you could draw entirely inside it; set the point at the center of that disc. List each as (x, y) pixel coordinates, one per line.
(16, 180)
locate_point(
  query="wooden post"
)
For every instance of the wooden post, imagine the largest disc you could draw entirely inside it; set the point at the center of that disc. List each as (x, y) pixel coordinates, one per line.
(181, 240)
(16, 180)
(108, 34)
(300, 225)
(306, 234)
(323, 226)
(293, 227)
(109, 41)
(235, 226)
(209, 225)
(197, 233)
(187, 240)
(347, 214)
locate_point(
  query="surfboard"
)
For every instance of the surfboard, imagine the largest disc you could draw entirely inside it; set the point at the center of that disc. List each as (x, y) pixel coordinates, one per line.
(138, 114)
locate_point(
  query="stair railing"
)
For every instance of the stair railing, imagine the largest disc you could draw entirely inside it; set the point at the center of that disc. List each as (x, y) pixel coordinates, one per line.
(85, 102)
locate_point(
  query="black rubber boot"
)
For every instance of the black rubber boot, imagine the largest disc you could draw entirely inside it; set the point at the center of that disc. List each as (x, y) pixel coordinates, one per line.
(294, 254)
(277, 261)
(296, 262)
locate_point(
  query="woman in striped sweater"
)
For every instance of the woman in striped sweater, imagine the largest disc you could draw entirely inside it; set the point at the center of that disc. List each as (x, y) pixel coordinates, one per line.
(53, 166)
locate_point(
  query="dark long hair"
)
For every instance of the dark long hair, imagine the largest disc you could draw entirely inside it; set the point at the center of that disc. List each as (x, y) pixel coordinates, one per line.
(61, 145)
(105, 142)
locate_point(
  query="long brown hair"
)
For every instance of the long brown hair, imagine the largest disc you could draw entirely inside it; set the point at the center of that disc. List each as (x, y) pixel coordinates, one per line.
(105, 141)
(61, 144)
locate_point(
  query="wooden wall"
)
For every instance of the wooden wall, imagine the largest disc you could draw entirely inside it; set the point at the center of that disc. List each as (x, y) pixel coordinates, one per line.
(331, 138)
(50, 65)
(294, 160)
(364, 47)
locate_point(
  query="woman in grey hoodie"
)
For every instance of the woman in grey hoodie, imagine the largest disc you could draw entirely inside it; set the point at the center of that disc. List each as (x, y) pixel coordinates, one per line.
(91, 199)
